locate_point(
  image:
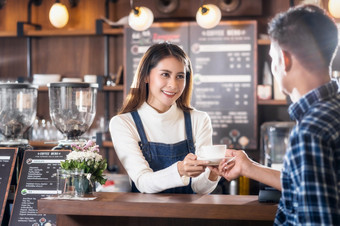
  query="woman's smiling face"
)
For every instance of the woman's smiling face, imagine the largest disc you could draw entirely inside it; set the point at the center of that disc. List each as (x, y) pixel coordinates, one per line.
(166, 83)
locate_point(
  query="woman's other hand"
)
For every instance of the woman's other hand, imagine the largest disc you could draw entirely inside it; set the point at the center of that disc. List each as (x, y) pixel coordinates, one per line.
(190, 166)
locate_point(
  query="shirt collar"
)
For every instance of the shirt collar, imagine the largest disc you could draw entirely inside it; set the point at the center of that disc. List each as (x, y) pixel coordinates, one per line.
(298, 109)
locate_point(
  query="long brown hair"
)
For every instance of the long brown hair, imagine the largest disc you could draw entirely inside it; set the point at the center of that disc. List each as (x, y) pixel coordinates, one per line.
(139, 91)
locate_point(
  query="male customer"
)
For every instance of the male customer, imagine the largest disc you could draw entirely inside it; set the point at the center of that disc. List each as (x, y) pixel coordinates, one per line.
(304, 41)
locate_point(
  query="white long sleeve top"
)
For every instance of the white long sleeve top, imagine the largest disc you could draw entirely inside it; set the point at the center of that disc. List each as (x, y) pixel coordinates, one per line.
(169, 128)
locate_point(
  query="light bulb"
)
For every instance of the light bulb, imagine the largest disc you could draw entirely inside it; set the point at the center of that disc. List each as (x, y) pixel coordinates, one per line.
(334, 8)
(208, 16)
(140, 18)
(58, 15)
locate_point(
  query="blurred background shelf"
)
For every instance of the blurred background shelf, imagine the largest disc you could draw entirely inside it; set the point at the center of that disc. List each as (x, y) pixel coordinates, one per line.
(8, 34)
(105, 88)
(41, 144)
(263, 41)
(46, 33)
(107, 144)
(272, 102)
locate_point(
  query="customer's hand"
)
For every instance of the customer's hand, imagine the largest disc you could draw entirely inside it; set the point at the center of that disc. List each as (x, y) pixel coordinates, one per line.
(231, 170)
(190, 166)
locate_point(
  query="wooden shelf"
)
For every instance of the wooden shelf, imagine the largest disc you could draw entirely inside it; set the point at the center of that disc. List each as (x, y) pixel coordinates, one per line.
(8, 34)
(43, 89)
(107, 144)
(52, 33)
(272, 102)
(105, 88)
(40, 144)
(113, 88)
(263, 41)
(113, 31)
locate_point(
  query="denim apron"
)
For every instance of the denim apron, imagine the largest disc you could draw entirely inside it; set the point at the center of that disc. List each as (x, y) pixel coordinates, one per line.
(160, 156)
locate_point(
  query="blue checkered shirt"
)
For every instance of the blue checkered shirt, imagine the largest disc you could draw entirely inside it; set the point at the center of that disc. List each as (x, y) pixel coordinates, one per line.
(311, 172)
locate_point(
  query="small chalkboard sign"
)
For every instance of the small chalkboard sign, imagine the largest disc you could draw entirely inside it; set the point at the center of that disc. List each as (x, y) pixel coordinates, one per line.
(37, 180)
(7, 164)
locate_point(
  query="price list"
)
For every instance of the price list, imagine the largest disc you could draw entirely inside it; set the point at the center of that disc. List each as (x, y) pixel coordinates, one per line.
(37, 180)
(225, 76)
(7, 164)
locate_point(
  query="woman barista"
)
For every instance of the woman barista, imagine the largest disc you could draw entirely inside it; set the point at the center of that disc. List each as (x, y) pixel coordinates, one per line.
(156, 133)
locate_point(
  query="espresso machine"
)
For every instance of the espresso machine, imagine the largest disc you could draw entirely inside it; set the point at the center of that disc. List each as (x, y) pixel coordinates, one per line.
(72, 110)
(273, 145)
(18, 109)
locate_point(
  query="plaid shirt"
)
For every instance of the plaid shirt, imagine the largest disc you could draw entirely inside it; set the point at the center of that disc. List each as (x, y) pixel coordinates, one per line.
(311, 173)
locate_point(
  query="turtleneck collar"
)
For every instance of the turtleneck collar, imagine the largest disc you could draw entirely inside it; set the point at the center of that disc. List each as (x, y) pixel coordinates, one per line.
(152, 113)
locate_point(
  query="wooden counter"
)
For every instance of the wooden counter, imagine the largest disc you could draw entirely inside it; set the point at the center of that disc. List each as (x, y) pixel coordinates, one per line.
(160, 209)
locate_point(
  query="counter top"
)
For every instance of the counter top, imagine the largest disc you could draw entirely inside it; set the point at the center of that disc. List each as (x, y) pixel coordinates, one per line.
(226, 207)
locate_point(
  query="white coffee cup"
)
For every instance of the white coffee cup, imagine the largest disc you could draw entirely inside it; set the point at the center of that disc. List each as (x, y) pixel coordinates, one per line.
(212, 151)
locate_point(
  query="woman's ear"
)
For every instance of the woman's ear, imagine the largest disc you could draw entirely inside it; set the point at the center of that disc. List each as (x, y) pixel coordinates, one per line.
(146, 79)
(287, 57)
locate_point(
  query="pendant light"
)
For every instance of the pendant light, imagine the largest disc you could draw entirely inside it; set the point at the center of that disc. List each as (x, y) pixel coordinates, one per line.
(58, 14)
(208, 16)
(334, 8)
(140, 17)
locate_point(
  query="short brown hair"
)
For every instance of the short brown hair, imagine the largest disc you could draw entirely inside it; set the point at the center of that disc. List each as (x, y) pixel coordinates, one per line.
(308, 32)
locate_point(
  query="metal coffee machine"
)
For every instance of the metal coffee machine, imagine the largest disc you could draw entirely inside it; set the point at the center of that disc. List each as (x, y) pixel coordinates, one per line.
(273, 145)
(72, 110)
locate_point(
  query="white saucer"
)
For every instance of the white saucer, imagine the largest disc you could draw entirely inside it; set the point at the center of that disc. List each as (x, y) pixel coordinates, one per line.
(212, 161)
(215, 161)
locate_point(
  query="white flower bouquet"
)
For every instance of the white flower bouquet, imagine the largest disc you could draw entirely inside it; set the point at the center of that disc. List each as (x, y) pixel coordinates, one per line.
(87, 158)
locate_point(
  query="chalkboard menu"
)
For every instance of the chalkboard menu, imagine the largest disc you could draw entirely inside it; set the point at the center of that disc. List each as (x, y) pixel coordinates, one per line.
(7, 164)
(225, 77)
(225, 73)
(37, 180)
(137, 42)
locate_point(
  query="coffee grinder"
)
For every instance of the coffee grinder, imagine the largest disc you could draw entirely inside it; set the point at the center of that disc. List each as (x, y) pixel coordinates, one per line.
(18, 109)
(273, 144)
(72, 110)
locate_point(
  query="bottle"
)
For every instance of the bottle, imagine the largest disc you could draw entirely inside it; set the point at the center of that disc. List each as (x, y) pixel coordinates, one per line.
(233, 187)
(243, 185)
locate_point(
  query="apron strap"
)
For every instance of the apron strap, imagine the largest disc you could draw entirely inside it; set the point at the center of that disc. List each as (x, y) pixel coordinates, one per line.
(140, 127)
(188, 130)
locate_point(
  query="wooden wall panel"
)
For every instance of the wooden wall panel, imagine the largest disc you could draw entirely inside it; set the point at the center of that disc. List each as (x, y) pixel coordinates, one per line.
(68, 56)
(82, 17)
(12, 12)
(12, 58)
